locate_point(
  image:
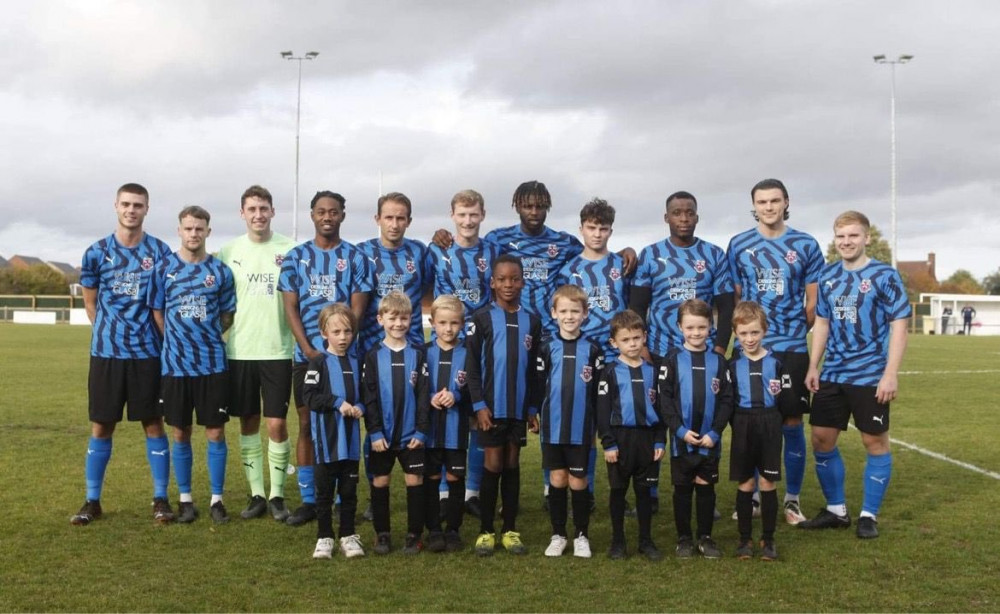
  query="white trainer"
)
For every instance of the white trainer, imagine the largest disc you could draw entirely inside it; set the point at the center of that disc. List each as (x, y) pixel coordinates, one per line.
(324, 548)
(351, 546)
(793, 514)
(581, 547)
(557, 545)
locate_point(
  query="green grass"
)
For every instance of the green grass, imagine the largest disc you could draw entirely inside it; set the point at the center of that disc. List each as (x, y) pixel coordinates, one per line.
(938, 550)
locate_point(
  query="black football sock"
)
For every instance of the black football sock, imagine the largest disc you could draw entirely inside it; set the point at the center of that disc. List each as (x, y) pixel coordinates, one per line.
(617, 510)
(744, 514)
(557, 509)
(510, 491)
(456, 504)
(488, 500)
(682, 509)
(644, 512)
(380, 509)
(705, 497)
(581, 511)
(432, 504)
(415, 509)
(769, 512)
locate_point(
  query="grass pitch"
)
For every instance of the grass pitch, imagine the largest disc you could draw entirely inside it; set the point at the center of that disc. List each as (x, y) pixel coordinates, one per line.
(938, 549)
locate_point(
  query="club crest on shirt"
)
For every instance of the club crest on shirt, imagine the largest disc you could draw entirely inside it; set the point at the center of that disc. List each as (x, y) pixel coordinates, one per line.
(615, 274)
(209, 281)
(774, 386)
(460, 378)
(410, 266)
(699, 266)
(651, 393)
(865, 285)
(481, 265)
(413, 378)
(553, 250)
(587, 373)
(716, 385)
(791, 257)
(147, 263)
(527, 342)
(341, 265)
(278, 259)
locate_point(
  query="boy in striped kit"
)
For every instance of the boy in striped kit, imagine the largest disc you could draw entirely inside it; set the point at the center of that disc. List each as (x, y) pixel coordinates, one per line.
(332, 392)
(396, 399)
(568, 367)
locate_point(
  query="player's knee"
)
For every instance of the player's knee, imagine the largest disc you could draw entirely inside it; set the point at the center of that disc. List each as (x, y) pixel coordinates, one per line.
(558, 478)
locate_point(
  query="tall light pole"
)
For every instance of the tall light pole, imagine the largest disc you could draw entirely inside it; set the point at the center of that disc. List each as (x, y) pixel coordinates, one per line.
(288, 55)
(903, 59)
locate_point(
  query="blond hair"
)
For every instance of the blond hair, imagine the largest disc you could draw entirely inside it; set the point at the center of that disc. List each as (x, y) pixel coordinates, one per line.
(852, 217)
(570, 292)
(334, 310)
(395, 302)
(447, 302)
(747, 312)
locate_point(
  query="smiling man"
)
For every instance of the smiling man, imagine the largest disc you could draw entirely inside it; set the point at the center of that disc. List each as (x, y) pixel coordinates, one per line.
(259, 348)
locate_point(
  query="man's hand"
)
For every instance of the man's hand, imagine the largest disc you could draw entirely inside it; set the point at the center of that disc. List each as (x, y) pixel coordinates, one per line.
(887, 388)
(533, 423)
(485, 419)
(812, 379)
(442, 238)
(611, 456)
(658, 454)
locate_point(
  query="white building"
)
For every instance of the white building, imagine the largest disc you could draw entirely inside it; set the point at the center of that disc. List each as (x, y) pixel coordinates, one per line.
(985, 322)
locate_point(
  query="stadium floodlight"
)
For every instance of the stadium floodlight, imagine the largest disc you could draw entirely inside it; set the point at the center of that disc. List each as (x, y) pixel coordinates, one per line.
(902, 59)
(288, 55)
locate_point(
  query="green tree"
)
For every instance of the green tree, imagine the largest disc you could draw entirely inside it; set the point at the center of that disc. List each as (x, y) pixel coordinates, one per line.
(38, 279)
(991, 283)
(961, 282)
(878, 248)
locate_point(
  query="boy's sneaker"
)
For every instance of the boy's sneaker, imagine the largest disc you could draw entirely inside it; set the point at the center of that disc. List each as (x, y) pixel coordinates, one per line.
(256, 508)
(412, 544)
(581, 547)
(793, 514)
(472, 507)
(826, 519)
(756, 511)
(305, 513)
(383, 544)
(708, 548)
(867, 527)
(351, 546)
(277, 508)
(453, 541)
(648, 549)
(186, 512)
(162, 512)
(324, 548)
(617, 551)
(685, 547)
(435, 541)
(368, 515)
(218, 512)
(767, 550)
(90, 512)
(511, 541)
(744, 551)
(557, 545)
(485, 544)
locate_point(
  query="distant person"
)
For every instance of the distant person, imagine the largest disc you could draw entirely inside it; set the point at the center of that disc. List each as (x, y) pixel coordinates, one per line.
(945, 316)
(124, 349)
(861, 318)
(968, 313)
(193, 298)
(259, 348)
(325, 270)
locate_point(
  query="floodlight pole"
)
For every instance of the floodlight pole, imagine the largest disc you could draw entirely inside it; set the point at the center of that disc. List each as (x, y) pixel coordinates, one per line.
(288, 55)
(902, 59)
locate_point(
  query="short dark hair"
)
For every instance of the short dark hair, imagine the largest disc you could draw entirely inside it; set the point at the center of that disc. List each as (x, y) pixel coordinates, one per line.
(694, 307)
(598, 210)
(328, 194)
(132, 188)
(507, 259)
(684, 195)
(770, 184)
(196, 212)
(532, 188)
(626, 320)
(396, 197)
(256, 191)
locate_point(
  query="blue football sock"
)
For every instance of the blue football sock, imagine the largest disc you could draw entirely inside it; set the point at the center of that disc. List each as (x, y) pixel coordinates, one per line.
(307, 485)
(877, 472)
(545, 481)
(474, 468)
(443, 488)
(366, 452)
(830, 473)
(181, 455)
(98, 455)
(158, 454)
(795, 457)
(218, 451)
(591, 468)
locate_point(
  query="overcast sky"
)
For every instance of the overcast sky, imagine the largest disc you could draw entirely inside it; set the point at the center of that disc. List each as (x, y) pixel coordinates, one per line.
(628, 101)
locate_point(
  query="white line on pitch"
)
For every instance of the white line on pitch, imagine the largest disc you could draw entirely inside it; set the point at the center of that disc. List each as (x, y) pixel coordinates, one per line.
(939, 456)
(956, 372)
